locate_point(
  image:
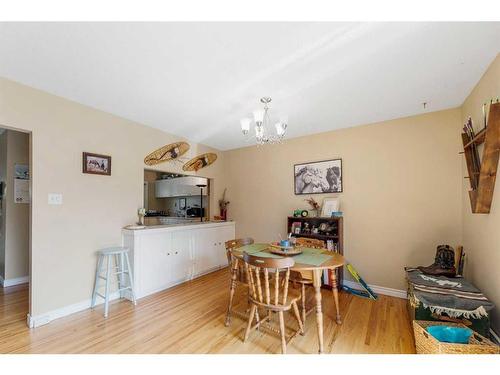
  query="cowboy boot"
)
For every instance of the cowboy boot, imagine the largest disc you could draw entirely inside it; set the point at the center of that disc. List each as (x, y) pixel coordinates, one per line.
(444, 263)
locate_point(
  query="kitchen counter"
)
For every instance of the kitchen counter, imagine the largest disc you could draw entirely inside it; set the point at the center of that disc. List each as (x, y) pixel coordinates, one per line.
(162, 256)
(186, 225)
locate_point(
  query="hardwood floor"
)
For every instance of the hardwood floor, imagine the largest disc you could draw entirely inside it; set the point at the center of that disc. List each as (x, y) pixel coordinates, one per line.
(189, 318)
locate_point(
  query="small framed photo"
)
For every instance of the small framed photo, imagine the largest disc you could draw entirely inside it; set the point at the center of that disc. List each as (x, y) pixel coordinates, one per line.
(330, 205)
(96, 164)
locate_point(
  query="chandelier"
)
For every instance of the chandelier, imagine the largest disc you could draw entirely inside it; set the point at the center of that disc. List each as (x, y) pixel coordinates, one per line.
(261, 118)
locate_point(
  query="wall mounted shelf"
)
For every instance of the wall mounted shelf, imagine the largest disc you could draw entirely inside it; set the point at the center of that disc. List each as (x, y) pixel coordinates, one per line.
(483, 180)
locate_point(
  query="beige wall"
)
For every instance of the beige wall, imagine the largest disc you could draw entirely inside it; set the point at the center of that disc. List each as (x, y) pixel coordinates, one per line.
(95, 208)
(481, 232)
(401, 190)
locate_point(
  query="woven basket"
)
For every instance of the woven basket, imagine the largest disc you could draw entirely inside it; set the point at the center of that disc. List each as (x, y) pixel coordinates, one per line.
(425, 343)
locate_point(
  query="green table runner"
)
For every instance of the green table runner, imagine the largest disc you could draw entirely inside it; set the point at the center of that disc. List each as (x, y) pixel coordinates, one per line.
(253, 248)
(310, 256)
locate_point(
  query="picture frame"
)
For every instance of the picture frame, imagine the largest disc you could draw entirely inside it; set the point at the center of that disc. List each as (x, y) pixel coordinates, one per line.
(330, 205)
(318, 177)
(96, 164)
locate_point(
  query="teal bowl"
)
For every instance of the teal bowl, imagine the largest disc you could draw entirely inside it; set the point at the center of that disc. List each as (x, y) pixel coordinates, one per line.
(456, 335)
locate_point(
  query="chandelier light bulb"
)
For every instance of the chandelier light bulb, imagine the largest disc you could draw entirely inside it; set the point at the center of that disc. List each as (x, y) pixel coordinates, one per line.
(280, 129)
(245, 125)
(258, 116)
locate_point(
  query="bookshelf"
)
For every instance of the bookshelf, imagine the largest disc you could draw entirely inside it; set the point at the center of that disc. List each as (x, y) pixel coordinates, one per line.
(330, 230)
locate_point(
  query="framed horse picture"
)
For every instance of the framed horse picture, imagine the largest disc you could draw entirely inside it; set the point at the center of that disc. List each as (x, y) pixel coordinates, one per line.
(96, 164)
(319, 177)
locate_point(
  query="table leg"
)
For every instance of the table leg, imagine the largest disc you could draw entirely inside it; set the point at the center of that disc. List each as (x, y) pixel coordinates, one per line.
(319, 312)
(232, 287)
(335, 291)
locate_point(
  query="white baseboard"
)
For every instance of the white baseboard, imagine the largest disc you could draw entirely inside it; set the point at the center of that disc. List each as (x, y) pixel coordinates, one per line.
(40, 320)
(16, 281)
(378, 289)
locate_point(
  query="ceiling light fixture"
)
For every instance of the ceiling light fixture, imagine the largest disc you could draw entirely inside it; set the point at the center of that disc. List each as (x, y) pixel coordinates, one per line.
(263, 134)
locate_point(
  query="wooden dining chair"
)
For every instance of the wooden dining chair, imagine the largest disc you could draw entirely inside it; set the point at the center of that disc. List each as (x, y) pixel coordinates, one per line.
(237, 272)
(267, 291)
(305, 277)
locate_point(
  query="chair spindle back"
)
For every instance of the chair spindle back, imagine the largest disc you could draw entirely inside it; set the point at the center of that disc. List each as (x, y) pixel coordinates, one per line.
(256, 266)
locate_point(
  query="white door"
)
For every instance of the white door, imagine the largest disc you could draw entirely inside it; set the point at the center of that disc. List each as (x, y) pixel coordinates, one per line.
(182, 255)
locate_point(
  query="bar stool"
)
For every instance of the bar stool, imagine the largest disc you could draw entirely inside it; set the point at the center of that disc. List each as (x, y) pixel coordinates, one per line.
(120, 255)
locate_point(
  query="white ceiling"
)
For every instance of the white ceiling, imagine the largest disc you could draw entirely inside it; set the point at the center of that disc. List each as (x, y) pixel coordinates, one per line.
(198, 79)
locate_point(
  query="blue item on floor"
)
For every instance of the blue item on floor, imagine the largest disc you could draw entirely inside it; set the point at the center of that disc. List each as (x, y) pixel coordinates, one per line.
(454, 335)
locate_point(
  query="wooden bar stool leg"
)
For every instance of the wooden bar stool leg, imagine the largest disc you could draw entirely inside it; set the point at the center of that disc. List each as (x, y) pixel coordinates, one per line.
(130, 278)
(282, 332)
(96, 282)
(106, 295)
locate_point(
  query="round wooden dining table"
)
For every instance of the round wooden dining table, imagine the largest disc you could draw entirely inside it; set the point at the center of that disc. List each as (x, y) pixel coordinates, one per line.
(334, 262)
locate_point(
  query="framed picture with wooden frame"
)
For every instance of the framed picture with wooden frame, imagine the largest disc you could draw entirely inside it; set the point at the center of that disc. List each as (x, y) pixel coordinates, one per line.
(96, 164)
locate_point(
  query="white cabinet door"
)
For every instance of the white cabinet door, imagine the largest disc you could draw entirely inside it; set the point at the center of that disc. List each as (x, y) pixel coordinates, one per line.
(224, 234)
(182, 256)
(205, 250)
(154, 263)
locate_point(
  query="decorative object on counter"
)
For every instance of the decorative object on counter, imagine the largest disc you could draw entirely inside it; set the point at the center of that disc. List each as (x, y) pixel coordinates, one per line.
(314, 205)
(141, 212)
(201, 186)
(96, 164)
(263, 125)
(482, 171)
(167, 153)
(223, 203)
(200, 161)
(330, 205)
(297, 213)
(318, 177)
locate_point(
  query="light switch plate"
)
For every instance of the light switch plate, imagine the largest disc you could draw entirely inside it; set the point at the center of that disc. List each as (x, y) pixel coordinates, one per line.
(55, 198)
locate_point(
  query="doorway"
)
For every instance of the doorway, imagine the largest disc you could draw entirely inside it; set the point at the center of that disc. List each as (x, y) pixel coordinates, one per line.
(15, 217)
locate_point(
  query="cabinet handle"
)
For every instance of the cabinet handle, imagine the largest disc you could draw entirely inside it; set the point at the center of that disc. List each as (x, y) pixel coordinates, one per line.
(168, 253)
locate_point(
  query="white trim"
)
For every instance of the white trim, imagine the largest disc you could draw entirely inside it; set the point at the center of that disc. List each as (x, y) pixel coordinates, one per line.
(16, 281)
(40, 320)
(378, 289)
(495, 336)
